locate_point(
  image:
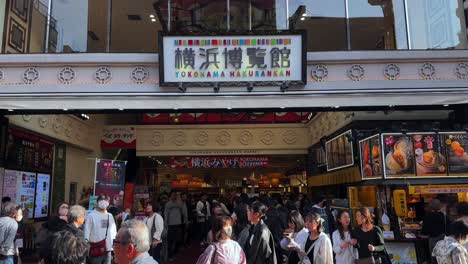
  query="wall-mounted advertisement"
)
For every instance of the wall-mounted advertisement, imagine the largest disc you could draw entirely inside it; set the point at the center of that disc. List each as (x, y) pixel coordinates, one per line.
(398, 155)
(339, 152)
(371, 157)
(232, 60)
(457, 149)
(25, 195)
(110, 180)
(11, 184)
(42, 195)
(430, 155)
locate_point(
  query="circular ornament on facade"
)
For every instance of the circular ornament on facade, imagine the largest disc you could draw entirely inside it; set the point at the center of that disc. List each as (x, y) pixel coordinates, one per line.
(67, 75)
(179, 138)
(319, 73)
(290, 137)
(267, 137)
(103, 74)
(392, 72)
(68, 128)
(462, 70)
(139, 74)
(2, 75)
(201, 138)
(27, 118)
(30, 75)
(157, 139)
(43, 122)
(58, 124)
(245, 138)
(427, 71)
(223, 138)
(356, 72)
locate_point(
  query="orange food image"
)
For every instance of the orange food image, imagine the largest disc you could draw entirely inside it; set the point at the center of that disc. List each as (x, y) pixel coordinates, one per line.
(455, 145)
(459, 151)
(375, 151)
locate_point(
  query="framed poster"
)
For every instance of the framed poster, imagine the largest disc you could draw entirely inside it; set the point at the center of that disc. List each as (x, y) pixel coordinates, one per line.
(10, 184)
(457, 150)
(398, 154)
(430, 154)
(371, 157)
(41, 208)
(26, 192)
(339, 152)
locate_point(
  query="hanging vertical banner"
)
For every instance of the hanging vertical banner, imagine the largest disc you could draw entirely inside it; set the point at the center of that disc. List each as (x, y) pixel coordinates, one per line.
(110, 180)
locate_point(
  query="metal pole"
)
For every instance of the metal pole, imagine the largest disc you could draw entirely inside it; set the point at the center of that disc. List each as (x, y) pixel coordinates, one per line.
(169, 15)
(348, 28)
(228, 18)
(109, 24)
(408, 34)
(250, 15)
(49, 14)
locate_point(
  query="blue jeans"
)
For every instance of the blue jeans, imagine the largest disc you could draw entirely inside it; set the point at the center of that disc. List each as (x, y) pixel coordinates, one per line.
(6, 260)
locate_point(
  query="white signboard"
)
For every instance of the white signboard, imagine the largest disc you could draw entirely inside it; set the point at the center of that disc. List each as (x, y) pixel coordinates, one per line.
(42, 195)
(233, 59)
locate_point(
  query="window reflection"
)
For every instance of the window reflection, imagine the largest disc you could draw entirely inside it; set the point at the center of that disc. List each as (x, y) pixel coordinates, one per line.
(69, 32)
(324, 21)
(435, 24)
(371, 25)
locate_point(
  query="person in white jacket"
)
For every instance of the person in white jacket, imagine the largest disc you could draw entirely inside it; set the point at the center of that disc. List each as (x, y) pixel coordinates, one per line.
(344, 250)
(297, 233)
(317, 246)
(203, 216)
(155, 224)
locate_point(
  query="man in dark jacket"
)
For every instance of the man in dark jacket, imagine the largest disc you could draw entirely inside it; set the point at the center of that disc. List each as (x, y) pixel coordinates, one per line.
(260, 246)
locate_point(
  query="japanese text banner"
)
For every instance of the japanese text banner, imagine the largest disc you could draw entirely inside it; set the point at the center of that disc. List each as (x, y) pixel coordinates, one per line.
(259, 58)
(221, 162)
(118, 137)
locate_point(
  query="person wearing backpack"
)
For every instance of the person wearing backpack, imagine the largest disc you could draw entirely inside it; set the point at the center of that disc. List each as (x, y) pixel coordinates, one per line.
(155, 224)
(175, 215)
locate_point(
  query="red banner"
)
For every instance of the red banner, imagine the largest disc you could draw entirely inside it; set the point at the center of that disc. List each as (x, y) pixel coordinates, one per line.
(222, 162)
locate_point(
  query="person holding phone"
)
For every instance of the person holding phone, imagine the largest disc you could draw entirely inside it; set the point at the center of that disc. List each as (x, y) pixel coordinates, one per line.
(296, 232)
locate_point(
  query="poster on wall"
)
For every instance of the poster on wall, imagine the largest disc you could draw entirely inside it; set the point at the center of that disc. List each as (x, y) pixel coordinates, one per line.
(398, 155)
(10, 184)
(42, 195)
(118, 137)
(371, 157)
(457, 148)
(25, 195)
(26, 151)
(110, 180)
(339, 152)
(430, 154)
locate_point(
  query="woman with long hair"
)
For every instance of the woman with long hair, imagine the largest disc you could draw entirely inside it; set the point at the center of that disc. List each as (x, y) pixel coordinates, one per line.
(223, 250)
(296, 232)
(317, 248)
(241, 225)
(260, 246)
(342, 246)
(367, 238)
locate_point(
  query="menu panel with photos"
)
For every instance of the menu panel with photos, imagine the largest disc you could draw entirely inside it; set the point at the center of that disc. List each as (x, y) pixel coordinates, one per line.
(339, 152)
(398, 156)
(457, 148)
(371, 157)
(430, 154)
(11, 184)
(42, 195)
(25, 195)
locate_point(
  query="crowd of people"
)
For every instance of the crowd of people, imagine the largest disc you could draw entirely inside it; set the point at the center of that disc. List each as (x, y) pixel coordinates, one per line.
(278, 229)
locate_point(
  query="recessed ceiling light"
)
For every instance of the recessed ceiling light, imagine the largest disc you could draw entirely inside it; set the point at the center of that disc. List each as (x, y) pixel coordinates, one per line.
(229, 108)
(445, 105)
(121, 109)
(302, 18)
(65, 109)
(151, 16)
(10, 110)
(282, 107)
(337, 106)
(153, 20)
(175, 108)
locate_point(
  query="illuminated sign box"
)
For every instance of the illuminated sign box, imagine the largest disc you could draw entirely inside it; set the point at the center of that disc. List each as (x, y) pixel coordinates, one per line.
(232, 60)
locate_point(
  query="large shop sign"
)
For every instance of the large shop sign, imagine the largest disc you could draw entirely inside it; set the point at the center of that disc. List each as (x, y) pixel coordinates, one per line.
(221, 162)
(233, 60)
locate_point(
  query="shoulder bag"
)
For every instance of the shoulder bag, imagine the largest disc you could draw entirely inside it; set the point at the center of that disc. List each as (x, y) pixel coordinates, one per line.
(214, 254)
(97, 249)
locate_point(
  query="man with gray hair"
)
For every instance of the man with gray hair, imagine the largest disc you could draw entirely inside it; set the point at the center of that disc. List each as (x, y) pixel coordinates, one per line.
(76, 218)
(132, 244)
(8, 228)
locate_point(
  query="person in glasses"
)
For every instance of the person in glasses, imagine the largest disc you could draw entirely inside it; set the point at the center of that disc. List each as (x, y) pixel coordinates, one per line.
(131, 244)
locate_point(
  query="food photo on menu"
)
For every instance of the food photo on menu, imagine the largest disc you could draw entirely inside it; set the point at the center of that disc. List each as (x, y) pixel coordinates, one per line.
(399, 155)
(371, 157)
(457, 148)
(430, 155)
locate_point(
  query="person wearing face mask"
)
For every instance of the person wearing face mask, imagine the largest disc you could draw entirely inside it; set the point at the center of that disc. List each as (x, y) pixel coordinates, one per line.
(223, 250)
(100, 230)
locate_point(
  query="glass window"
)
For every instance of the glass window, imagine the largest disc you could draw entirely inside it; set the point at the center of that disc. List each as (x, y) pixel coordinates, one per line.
(324, 21)
(371, 25)
(436, 24)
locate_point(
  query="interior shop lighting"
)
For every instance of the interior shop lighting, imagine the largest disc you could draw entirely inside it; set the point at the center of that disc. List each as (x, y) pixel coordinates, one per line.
(10, 110)
(83, 116)
(337, 106)
(151, 16)
(121, 109)
(446, 105)
(153, 20)
(65, 109)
